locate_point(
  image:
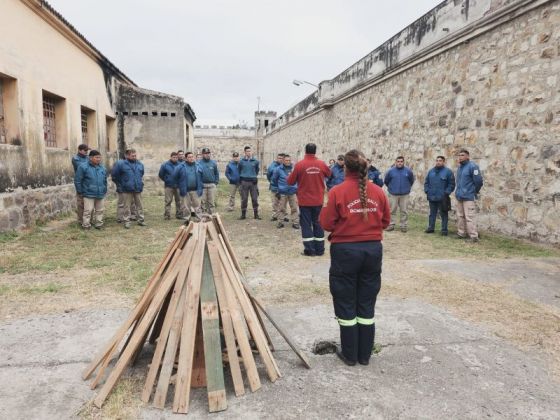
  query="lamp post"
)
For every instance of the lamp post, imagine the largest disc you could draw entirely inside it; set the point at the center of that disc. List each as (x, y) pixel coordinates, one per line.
(301, 82)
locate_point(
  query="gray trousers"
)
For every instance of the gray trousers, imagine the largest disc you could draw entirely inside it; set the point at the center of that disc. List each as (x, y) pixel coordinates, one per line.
(233, 189)
(399, 202)
(131, 199)
(91, 204)
(249, 188)
(170, 194)
(80, 207)
(283, 203)
(191, 204)
(275, 201)
(209, 198)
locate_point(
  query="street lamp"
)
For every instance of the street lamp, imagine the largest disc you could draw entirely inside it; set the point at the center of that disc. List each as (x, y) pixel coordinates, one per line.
(301, 82)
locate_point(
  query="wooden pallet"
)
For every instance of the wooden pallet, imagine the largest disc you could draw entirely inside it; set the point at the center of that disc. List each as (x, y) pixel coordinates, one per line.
(196, 296)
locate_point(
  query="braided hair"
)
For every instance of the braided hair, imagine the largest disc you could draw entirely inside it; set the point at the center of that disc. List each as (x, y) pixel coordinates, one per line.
(355, 162)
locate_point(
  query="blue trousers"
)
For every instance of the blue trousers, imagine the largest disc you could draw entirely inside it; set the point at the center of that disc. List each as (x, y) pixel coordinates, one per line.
(355, 281)
(435, 207)
(312, 233)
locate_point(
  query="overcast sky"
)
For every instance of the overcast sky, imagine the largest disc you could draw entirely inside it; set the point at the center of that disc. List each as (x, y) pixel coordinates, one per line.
(220, 55)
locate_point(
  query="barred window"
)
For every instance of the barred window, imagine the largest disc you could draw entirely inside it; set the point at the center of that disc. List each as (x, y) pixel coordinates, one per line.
(49, 121)
(84, 127)
(2, 122)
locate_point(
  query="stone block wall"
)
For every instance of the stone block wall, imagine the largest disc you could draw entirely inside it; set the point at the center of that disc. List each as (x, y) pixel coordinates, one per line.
(23, 208)
(498, 95)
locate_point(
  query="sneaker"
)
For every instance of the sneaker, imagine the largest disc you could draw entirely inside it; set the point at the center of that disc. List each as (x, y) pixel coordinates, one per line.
(390, 228)
(273, 219)
(98, 227)
(295, 225)
(444, 233)
(344, 359)
(280, 225)
(363, 362)
(429, 231)
(404, 229)
(142, 223)
(286, 219)
(127, 225)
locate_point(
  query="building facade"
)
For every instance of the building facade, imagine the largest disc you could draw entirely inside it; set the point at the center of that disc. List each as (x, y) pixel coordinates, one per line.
(56, 92)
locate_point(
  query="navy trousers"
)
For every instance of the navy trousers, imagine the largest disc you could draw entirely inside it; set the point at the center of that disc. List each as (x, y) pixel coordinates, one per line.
(312, 233)
(435, 207)
(355, 281)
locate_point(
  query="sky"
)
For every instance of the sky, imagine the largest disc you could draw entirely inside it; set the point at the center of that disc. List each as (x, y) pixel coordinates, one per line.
(220, 55)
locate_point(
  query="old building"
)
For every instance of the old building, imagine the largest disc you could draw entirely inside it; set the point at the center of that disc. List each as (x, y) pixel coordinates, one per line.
(57, 91)
(479, 75)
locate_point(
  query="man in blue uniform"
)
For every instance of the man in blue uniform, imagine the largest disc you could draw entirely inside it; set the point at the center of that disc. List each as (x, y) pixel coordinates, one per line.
(469, 183)
(249, 168)
(210, 180)
(438, 185)
(171, 192)
(79, 159)
(399, 180)
(128, 175)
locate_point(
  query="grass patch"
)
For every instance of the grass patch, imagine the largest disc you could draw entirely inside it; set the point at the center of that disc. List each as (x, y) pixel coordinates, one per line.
(123, 403)
(6, 237)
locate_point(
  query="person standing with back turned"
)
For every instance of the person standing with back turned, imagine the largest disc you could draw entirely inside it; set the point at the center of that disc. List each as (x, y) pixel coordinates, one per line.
(356, 214)
(309, 174)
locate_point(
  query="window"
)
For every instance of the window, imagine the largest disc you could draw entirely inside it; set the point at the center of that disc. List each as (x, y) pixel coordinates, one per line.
(111, 135)
(172, 114)
(84, 127)
(89, 127)
(9, 116)
(3, 134)
(164, 114)
(49, 121)
(55, 128)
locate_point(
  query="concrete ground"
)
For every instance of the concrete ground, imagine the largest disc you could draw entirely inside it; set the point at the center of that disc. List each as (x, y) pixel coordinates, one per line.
(432, 364)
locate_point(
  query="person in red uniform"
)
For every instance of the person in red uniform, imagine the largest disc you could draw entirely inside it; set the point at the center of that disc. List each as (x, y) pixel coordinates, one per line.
(355, 215)
(309, 174)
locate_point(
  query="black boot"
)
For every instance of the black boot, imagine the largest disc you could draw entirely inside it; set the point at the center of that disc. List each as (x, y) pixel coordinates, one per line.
(257, 215)
(243, 215)
(349, 343)
(366, 334)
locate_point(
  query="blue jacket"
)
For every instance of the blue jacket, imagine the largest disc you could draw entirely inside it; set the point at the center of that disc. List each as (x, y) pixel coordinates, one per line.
(374, 176)
(128, 176)
(270, 173)
(337, 176)
(232, 172)
(280, 178)
(210, 173)
(249, 168)
(78, 160)
(91, 180)
(166, 173)
(439, 182)
(469, 181)
(188, 177)
(399, 181)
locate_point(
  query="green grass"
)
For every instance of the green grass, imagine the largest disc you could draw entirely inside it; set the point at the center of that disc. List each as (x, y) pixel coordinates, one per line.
(7, 237)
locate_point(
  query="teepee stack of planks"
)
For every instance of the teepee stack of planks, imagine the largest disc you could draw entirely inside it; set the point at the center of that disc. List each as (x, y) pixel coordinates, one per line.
(196, 296)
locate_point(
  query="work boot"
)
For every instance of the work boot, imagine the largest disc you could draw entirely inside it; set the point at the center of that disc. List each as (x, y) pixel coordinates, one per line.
(243, 215)
(344, 359)
(257, 217)
(280, 225)
(366, 334)
(349, 344)
(443, 233)
(142, 223)
(429, 230)
(273, 219)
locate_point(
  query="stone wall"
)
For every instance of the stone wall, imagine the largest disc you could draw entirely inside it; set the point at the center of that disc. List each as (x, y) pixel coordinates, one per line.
(24, 208)
(495, 93)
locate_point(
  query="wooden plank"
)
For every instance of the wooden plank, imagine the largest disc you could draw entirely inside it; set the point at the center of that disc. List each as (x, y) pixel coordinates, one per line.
(170, 353)
(248, 310)
(227, 325)
(212, 344)
(225, 237)
(168, 321)
(139, 308)
(198, 379)
(156, 329)
(167, 282)
(188, 331)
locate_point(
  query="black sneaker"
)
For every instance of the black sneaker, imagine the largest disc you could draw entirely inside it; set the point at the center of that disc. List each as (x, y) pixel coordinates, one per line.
(274, 219)
(444, 233)
(280, 225)
(363, 362)
(344, 359)
(286, 219)
(429, 231)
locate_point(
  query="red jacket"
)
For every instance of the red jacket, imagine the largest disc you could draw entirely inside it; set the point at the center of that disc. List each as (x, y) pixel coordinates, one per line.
(309, 174)
(343, 214)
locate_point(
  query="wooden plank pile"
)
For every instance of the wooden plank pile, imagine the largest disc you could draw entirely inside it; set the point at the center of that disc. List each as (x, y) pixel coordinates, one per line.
(196, 296)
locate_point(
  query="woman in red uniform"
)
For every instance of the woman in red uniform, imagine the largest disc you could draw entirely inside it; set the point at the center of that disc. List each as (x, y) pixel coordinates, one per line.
(356, 214)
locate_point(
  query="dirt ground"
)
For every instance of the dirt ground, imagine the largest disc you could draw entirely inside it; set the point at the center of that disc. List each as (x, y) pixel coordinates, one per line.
(466, 330)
